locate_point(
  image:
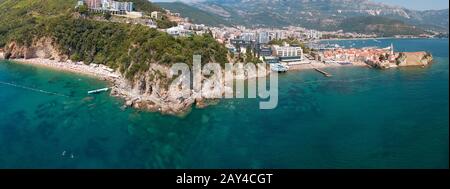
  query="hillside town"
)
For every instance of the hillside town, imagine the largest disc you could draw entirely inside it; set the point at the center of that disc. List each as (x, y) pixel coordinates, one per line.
(285, 56)
(282, 48)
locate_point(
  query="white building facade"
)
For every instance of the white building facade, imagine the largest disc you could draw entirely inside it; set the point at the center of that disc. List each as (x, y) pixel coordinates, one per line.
(287, 51)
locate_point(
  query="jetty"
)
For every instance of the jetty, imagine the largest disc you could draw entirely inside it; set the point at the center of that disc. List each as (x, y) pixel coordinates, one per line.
(98, 91)
(326, 74)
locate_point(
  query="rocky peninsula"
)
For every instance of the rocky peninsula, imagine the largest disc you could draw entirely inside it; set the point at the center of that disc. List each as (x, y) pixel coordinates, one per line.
(151, 90)
(147, 91)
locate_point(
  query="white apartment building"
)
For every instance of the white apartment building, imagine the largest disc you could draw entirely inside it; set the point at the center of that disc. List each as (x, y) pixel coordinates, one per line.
(117, 6)
(156, 15)
(287, 51)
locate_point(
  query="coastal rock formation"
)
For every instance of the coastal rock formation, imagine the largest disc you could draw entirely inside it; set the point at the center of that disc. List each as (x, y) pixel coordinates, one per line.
(149, 91)
(414, 59)
(152, 90)
(401, 59)
(39, 48)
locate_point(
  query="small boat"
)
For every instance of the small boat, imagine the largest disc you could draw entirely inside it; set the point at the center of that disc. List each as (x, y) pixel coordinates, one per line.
(279, 68)
(98, 91)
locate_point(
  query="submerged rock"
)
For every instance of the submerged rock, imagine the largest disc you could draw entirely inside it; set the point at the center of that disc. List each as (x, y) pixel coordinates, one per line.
(129, 103)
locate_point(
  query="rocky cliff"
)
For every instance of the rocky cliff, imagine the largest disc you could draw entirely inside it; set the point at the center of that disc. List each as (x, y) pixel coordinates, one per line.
(150, 91)
(39, 48)
(155, 91)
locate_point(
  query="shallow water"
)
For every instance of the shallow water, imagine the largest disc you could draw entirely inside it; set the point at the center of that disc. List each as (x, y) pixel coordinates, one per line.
(359, 118)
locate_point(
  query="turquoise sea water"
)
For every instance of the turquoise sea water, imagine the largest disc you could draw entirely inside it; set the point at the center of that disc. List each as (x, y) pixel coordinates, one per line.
(360, 118)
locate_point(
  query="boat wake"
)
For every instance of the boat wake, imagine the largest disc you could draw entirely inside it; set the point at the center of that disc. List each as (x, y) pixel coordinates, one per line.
(32, 89)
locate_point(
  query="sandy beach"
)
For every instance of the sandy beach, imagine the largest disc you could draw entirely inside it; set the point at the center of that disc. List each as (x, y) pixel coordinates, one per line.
(93, 70)
(105, 73)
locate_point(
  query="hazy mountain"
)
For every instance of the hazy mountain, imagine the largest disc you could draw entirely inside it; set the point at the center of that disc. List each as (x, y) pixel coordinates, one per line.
(381, 26)
(317, 14)
(196, 15)
(430, 19)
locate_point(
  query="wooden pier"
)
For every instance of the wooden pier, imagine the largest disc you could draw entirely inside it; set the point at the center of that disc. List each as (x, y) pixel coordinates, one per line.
(326, 74)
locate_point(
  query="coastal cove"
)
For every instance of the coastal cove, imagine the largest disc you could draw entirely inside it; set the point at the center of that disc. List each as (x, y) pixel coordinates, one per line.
(359, 118)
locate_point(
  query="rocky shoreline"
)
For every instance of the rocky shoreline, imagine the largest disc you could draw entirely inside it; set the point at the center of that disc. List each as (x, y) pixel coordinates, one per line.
(158, 99)
(135, 93)
(120, 87)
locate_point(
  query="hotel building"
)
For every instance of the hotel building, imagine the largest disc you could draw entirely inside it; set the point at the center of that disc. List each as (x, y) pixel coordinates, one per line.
(287, 51)
(290, 55)
(109, 5)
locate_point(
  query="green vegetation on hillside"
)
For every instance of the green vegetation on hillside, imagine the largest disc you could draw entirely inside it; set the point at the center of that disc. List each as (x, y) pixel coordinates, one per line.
(19, 17)
(292, 42)
(165, 23)
(144, 6)
(127, 47)
(194, 14)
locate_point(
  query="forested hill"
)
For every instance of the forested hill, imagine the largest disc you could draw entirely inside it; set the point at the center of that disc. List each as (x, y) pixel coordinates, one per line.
(381, 26)
(195, 15)
(128, 47)
(144, 6)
